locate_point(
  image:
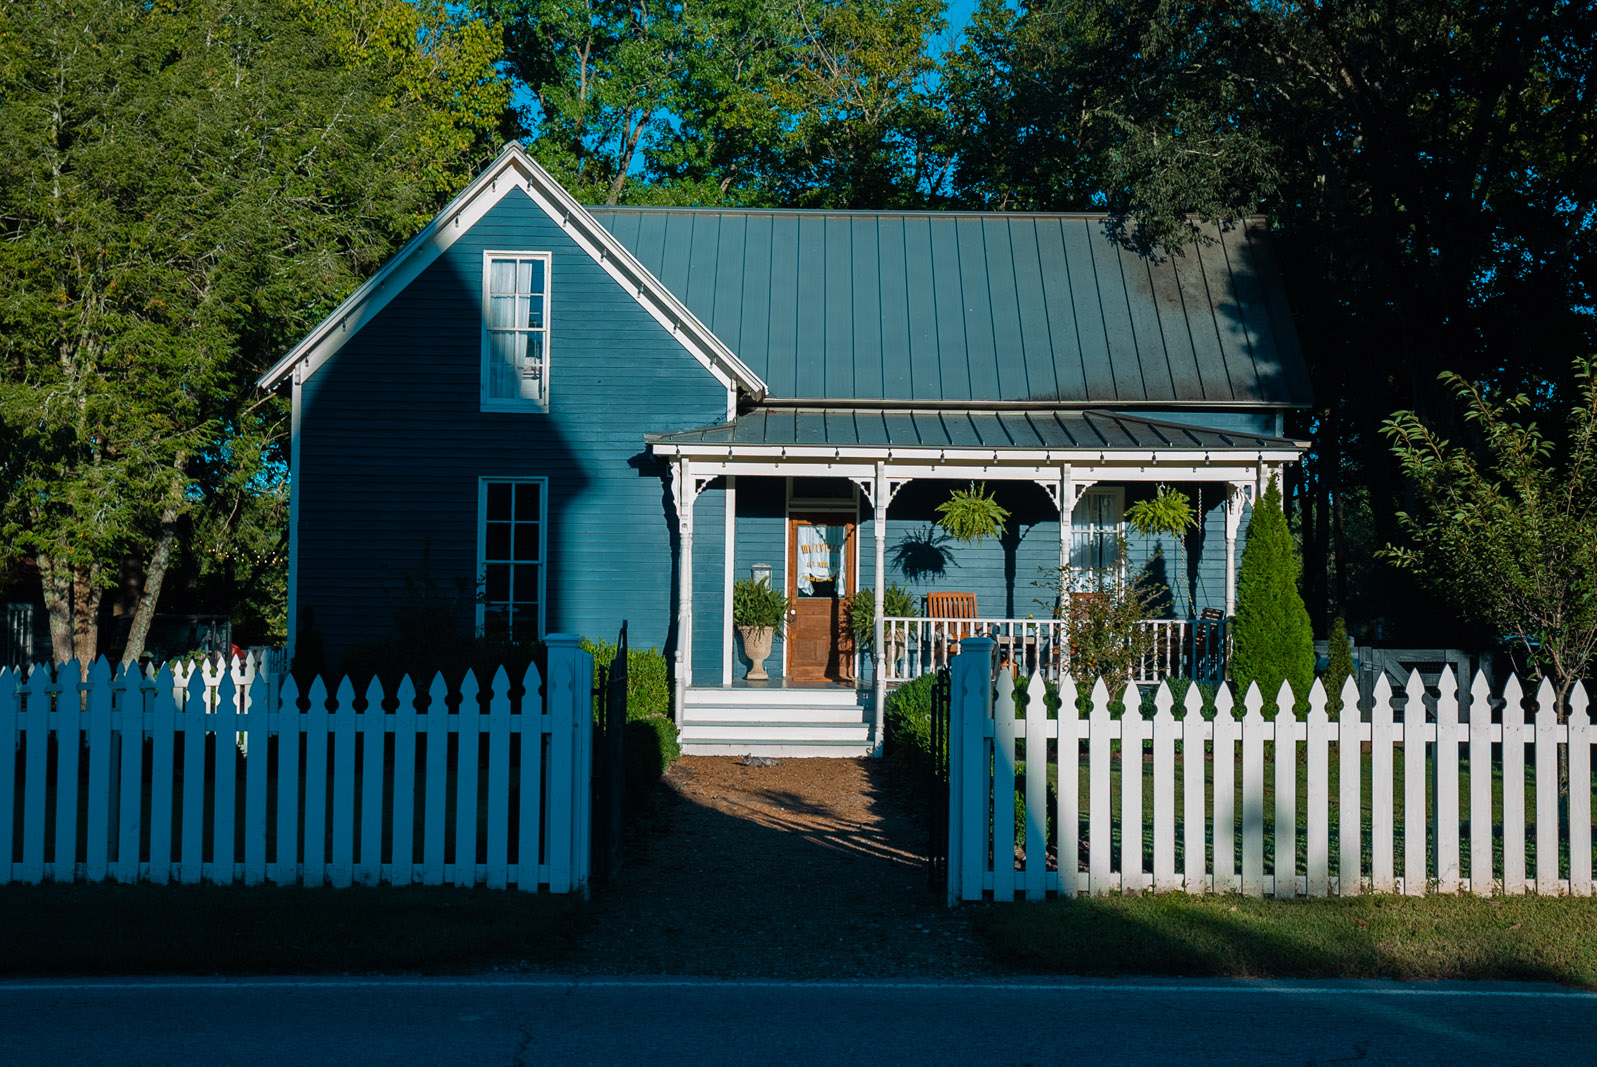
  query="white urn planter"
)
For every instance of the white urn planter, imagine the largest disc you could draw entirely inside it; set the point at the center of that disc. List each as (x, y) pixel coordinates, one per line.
(757, 646)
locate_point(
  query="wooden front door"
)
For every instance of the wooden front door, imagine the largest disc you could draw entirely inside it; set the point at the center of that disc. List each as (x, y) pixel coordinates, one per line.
(820, 568)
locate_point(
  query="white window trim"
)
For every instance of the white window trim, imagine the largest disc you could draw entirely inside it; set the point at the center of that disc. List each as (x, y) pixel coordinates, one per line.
(516, 403)
(543, 547)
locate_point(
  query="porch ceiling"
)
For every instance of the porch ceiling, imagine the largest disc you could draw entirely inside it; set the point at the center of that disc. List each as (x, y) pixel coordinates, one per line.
(857, 431)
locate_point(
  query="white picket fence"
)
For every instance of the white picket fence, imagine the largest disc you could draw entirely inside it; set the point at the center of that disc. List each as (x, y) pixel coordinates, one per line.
(280, 799)
(1427, 758)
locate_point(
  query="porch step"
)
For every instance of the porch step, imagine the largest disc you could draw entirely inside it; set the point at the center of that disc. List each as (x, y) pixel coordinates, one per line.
(775, 697)
(775, 722)
(801, 750)
(726, 732)
(747, 712)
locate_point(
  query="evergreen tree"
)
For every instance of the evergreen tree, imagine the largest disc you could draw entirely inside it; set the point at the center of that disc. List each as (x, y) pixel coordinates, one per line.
(184, 190)
(1272, 640)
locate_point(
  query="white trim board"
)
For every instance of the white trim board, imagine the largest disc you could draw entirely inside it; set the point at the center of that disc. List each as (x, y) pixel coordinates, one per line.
(515, 169)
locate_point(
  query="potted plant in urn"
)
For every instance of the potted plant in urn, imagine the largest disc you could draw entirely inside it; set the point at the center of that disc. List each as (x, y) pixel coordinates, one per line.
(757, 613)
(899, 603)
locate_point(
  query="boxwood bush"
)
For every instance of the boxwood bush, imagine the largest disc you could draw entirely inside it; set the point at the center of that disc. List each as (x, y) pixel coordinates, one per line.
(908, 717)
(651, 743)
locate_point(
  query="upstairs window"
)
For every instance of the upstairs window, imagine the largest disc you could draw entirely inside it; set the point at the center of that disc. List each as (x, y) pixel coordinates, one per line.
(515, 358)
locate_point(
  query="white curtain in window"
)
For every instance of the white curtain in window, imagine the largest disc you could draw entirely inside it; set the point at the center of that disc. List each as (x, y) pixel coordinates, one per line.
(515, 305)
(1095, 532)
(820, 555)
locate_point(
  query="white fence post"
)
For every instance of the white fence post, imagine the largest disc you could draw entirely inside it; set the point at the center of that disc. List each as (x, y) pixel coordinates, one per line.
(570, 708)
(1193, 731)
(1480, 788)
(1068, 821)
(1004, 786)
(1448, 735)
(1580, 738)
(1284, 872)
(970, 711)
(1226, 732)
(1414, 821)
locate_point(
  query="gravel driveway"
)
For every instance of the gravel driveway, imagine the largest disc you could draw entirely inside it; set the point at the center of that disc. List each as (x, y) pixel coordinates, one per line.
(809, 868)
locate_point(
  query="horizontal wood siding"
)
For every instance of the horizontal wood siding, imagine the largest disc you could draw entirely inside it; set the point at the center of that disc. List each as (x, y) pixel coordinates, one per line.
(999, 572)
(394, 441)
(1203, 557)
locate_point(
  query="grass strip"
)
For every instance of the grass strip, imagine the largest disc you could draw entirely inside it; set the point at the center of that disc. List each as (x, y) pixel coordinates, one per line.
(200, 930)
(1523, 938)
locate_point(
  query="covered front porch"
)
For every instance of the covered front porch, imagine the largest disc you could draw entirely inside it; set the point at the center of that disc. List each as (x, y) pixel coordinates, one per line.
(831, 502)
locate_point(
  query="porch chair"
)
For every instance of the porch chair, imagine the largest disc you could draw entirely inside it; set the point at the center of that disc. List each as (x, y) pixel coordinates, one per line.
(951, 606)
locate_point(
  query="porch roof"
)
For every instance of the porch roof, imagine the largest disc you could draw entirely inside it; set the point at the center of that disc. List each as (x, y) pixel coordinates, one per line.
(1096, 431)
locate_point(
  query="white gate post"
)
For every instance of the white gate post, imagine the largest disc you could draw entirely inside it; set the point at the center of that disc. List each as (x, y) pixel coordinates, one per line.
(570, 707)
(969, 770)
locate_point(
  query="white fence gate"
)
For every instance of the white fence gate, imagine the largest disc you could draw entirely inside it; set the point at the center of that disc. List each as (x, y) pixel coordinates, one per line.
(219, 775)
(1440, 792)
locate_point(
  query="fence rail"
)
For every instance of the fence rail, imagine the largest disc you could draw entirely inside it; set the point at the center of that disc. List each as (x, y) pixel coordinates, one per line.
(191, 776)
(1451, 806)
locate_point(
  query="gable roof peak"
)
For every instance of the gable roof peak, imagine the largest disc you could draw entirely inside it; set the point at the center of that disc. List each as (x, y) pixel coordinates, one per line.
(515, 168)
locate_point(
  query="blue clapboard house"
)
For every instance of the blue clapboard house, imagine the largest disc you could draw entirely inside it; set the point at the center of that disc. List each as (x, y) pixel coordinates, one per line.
(586, 414)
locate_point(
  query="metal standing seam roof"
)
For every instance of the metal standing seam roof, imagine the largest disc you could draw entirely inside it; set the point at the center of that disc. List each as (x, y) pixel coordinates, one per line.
(943, 307)
(998, 430)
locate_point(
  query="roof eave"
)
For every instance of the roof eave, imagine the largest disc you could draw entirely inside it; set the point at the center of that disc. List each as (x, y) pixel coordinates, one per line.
(610, 251)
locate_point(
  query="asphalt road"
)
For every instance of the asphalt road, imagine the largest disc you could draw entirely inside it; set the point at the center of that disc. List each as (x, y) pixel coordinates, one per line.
(554, 1021)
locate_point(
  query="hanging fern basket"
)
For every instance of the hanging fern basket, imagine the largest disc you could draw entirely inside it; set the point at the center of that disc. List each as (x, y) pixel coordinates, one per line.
(971, 515)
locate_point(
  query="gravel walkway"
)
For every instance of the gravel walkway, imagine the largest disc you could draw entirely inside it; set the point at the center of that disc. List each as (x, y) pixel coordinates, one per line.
(810, 868)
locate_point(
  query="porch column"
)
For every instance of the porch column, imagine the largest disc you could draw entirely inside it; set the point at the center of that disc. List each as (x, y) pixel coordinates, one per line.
(684, 494)
(1236, 497)
(1067, 518)
(730, 530)
(879, 498)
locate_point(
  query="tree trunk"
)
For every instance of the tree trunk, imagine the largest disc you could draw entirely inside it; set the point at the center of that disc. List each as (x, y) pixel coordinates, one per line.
(72, 601)
(150, 594)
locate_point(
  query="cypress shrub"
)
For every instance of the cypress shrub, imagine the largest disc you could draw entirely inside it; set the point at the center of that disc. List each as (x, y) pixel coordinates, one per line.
(1272, 640)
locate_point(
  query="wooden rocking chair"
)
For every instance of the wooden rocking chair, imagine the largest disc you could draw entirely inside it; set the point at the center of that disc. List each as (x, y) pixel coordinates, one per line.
(951, 606)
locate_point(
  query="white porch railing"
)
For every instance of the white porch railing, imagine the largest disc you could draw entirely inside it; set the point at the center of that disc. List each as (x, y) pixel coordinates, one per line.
(1183, 648)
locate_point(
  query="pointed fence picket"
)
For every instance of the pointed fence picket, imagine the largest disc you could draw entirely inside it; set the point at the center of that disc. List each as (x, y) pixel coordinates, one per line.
(207, 809)
(1412, 764)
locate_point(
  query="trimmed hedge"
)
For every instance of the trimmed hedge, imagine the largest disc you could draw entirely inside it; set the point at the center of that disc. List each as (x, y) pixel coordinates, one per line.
(908, 717)
(652, 747)
(651, 741)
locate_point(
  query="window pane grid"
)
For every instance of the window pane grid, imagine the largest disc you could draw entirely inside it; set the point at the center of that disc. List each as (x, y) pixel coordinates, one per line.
(512, 559)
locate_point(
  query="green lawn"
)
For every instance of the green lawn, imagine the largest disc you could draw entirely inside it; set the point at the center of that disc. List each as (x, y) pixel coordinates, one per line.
(1439, 937)
(145, 929)
(1302, 812)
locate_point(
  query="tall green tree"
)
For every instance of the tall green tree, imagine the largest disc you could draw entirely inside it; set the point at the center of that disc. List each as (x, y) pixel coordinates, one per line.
(826, 103)
(1272, 641)
(1428, 166)
(184, 187)
(1505, 525)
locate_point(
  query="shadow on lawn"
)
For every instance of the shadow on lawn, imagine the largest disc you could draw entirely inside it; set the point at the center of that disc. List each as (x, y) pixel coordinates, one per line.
(1518, 939)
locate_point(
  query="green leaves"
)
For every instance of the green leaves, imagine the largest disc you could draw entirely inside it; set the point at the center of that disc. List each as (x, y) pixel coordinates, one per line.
(970, 515)
(1506, 530)
(184, 190)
